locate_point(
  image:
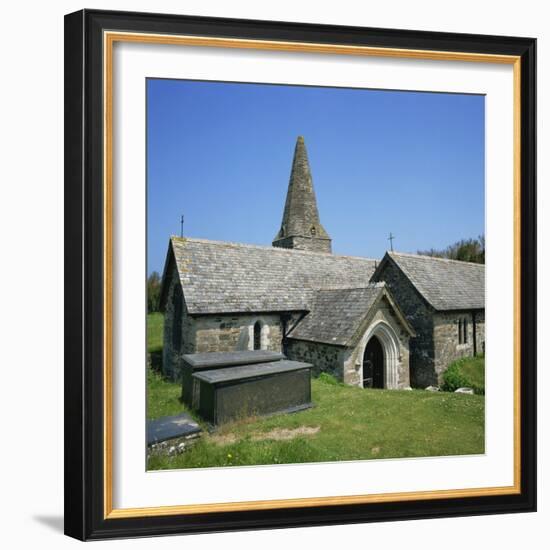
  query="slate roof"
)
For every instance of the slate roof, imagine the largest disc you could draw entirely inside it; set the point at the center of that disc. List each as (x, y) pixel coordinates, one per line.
(444, 284)
(223, 277)
(337, 314)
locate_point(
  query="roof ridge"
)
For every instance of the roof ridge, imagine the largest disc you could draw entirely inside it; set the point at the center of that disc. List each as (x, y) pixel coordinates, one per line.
(377, 284)
(425, 257)
(267, 247)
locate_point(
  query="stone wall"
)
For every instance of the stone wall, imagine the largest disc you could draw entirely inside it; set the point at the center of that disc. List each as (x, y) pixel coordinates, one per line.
(171, 352)
(236, 332)
(420, 316)
(323, 357)
(480, 331)
(447, 344)
(313, 244)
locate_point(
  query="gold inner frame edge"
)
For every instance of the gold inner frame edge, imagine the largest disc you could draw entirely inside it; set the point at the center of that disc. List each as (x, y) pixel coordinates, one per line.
(109, 39)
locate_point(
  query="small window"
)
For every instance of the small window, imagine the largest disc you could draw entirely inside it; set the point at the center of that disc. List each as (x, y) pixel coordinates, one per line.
(313, 231)
(257, 335)
(463, 331)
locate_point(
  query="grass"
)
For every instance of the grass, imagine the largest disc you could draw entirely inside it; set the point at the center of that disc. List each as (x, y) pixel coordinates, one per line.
(467, 372)
(155, 323)
(346, 423)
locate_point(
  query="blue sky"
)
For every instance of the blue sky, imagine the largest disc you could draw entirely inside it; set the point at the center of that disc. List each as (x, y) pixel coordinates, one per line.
(406, 162)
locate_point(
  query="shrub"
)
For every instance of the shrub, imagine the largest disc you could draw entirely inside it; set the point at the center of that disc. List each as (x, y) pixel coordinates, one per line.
(468, 372)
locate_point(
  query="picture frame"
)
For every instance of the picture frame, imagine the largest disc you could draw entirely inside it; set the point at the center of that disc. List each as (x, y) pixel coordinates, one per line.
(90, 158)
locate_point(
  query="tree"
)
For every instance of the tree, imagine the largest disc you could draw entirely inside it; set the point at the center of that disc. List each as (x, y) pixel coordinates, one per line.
(153, 292)
(465, 250)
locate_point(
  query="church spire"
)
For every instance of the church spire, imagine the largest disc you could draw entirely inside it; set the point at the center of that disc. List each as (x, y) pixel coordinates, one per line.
(301, 227)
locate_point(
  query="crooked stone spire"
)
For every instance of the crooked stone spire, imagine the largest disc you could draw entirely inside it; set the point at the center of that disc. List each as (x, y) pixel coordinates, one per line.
(301, 227)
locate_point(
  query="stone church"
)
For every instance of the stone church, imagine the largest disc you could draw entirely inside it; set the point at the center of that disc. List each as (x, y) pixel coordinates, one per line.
(390, 323)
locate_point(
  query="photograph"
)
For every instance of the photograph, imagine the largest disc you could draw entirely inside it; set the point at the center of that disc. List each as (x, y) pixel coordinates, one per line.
(300, 273)
(315, 274)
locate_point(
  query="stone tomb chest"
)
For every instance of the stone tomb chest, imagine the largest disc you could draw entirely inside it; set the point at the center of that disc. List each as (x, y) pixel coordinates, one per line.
(253, 390)
(200, 362)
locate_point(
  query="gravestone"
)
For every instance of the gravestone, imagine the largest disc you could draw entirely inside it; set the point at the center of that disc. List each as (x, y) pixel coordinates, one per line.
(235, 393)
(201, 362)
(171, 427)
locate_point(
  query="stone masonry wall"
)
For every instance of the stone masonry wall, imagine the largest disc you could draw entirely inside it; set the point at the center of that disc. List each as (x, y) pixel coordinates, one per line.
(420, 316)
(480, 331)
(313, 244)
(236, 332)
(323, 357)
(171, 357)
(446, 338)
(212, 333)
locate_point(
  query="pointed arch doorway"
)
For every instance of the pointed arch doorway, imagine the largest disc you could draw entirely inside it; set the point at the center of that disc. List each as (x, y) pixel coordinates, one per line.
(373, 364)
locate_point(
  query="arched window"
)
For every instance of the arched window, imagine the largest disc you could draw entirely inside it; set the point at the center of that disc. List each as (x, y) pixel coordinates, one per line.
(257, 335)
(465, 328)
(313, 231)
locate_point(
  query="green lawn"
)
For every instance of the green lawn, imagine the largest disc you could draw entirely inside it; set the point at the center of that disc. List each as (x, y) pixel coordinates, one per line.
(155, 323)
(346, 423)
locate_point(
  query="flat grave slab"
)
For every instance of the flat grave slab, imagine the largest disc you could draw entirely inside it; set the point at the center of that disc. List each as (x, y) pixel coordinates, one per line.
(235, 393)
(199, 362)
(227, 358)
(250, 371)
(170, 427)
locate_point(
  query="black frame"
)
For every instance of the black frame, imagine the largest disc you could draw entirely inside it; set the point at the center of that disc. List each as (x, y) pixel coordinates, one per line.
(84, 275)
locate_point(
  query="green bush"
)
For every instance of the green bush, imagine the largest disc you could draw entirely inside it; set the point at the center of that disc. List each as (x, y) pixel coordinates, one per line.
(468, 372)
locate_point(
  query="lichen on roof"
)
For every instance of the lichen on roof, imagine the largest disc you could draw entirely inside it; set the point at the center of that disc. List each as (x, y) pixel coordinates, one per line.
(222, 277)
(445, 284)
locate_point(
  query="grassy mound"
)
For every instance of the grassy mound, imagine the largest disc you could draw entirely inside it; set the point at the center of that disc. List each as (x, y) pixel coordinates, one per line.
(466, 372)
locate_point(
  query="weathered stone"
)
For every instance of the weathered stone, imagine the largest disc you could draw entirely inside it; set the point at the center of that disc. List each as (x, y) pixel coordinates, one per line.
(236, 393)
(172, 447)
(233, 279)
(301, 227)
(448, 345)
(202, 362)
(171, 427)
(469, 391)
(437, 341)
